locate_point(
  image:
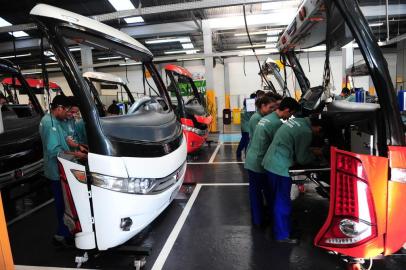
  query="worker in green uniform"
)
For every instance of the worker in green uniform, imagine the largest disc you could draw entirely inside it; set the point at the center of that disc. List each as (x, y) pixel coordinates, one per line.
(291, 145)
(53, 137)
(260, 142)
(245, 138)
(264, 106)
(74, 127)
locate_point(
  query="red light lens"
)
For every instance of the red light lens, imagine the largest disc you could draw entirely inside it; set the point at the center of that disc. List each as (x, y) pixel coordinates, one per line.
(346, 195)
(350, 165)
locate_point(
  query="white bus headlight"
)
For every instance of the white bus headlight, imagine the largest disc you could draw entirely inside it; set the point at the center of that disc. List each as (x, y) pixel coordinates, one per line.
(128, 185)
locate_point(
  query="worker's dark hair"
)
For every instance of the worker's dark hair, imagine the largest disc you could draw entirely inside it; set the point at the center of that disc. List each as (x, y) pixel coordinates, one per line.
(274, 96)
(60, 100)
(73, 101)
(346, 91)
(260, 93)
(263, 101)
(253, 95)
(289, 103)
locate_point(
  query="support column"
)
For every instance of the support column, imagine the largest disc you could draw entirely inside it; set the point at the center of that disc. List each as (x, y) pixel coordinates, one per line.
(348, 61)
(209, 74)
(227, 85)
(87, 58)
(401, 66)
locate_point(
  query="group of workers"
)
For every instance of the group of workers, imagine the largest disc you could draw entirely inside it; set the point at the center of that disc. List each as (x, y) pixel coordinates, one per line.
(61, 132)
(277, 141)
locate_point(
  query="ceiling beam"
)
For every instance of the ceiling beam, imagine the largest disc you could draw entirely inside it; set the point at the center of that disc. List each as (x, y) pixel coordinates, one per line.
(164, 29)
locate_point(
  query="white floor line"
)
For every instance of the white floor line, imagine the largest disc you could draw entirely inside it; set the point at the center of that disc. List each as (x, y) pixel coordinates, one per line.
(27, 267)
(35, 209)
(213, 156)
(163, 255)
(224, 184)
(218, 162)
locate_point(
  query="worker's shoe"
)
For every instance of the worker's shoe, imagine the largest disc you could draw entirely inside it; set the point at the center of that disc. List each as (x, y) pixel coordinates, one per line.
(289, 241)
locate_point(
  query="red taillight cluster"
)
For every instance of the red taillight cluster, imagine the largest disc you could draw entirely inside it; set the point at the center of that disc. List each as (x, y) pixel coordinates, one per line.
(71, 216)
(353, 219)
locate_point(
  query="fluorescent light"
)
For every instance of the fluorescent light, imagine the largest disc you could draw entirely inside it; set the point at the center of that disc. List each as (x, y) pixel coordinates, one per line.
(249, 46)
(282, 17)
(3, 22)
(280, 4)
(74, 49)
(182, 51)
(189, 59)
(262, 32)
(258, 52)
(273, 32)
(109, 58)
(53, 58)
(48, 53)
(270, 45)
(168, 40)
(188, 46)
(376, 24)
(136, 19)
(31, 72)
(130, 64)
(122, 4)
(271, 39)
(19, 34)
(18, 55)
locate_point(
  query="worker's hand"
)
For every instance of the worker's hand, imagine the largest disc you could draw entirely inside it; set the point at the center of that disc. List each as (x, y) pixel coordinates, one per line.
(71, 142)
(83, 148)
(80, 155)
(318, 152)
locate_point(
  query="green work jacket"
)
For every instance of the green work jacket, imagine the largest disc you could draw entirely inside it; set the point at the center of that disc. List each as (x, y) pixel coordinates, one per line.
(262, 138)
(252, 124)
(290, 145)
(53, 138)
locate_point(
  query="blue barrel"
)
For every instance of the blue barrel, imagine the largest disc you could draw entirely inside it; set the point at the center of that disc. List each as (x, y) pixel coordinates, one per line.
(359, 95)
(401, 100)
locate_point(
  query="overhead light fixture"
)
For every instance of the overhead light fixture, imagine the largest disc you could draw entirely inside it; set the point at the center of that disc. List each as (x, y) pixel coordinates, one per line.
(258, 52)
(169, 40)
(182, 51)
(3, 23)
(262, 32)
(376, 24)
(130, 64)
(189, 59)
(188, 46)
(18, 55)
(74, 49)
(249, 46)
(19, 34)
(31, 72)
(271, 39)
(136, 19)
(48, 53)
(109, 58)
(273, 32)
(280, 4)
(270, 45)
(122, 4)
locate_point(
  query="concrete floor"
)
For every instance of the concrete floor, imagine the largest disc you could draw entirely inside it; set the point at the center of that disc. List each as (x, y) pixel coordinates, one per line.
(212, 215)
